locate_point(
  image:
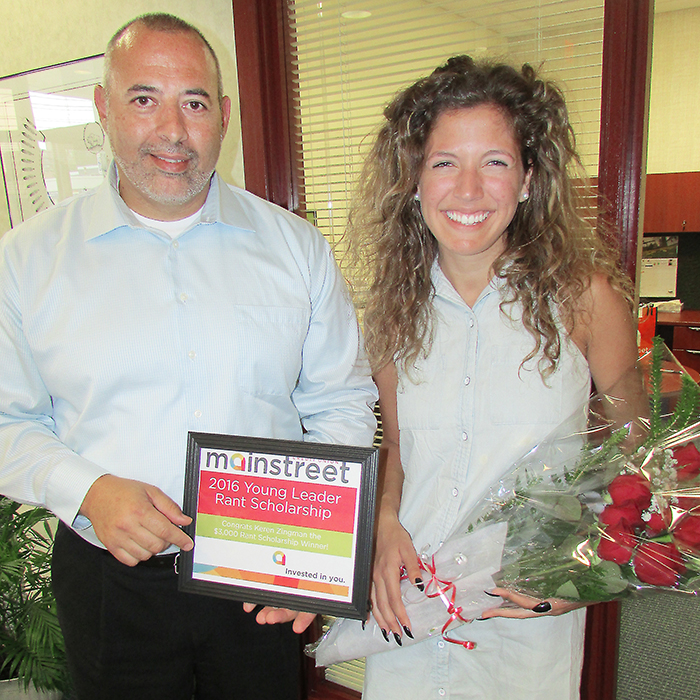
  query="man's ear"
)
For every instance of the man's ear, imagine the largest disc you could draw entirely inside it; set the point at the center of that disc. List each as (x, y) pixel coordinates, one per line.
(101, 103)
(225, 115)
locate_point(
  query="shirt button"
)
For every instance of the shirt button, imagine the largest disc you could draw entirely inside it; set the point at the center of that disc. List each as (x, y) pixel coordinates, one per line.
(467, 380)
(192, 354)
(183, 297)
(197, 414)
(176, 244)
(455, 492)
(471, 323)
(441, 692)
(441, 644)
(465, 437)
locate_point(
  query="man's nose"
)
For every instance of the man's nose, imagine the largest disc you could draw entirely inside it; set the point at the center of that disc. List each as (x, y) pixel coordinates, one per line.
(171, 124)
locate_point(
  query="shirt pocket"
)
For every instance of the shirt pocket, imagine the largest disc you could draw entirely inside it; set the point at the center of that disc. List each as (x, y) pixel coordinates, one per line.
(518, 395)
(421, 455)
(268, 347)
(418, 399)
(422, 413)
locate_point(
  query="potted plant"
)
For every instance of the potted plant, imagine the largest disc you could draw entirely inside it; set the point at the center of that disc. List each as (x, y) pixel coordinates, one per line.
(31, 643)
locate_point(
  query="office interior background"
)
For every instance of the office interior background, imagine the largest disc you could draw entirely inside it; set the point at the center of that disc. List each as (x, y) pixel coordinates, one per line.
(350, 57)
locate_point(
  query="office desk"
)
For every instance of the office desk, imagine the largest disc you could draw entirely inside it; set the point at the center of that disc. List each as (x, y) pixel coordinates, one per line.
(682, 335)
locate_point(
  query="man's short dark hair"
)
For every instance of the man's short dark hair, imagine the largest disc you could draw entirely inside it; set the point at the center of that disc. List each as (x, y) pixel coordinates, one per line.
(161, 22)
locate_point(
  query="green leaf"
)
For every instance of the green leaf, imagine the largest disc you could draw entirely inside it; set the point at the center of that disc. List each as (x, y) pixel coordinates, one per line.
(611, 575)
(568, 508)
(31, 642)
(568, 591)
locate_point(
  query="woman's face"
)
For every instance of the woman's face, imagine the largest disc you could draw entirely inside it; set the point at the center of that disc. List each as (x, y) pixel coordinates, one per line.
(471, 182)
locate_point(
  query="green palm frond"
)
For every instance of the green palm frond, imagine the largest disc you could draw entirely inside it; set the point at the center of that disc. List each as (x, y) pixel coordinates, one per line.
(31, 643)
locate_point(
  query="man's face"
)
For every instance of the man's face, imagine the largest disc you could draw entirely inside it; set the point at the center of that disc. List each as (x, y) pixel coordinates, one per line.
(161, 111)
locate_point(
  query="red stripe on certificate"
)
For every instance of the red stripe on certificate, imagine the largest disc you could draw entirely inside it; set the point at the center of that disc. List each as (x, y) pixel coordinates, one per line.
(320, 506)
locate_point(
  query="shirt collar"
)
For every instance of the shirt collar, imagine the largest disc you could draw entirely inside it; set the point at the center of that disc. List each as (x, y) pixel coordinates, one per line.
(444, 288)
(111, 212)
(225, 206)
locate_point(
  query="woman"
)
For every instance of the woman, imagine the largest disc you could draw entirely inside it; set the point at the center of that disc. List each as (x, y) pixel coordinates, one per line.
(492, 304)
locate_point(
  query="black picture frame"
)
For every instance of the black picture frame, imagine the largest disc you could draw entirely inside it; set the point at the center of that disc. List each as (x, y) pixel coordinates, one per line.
(292, 488)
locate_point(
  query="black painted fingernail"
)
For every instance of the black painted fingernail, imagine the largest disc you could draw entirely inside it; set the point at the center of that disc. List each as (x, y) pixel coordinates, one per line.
(493, 595)
(408, 632)
(364, 622)
(385, 634)
(398, 639)
(543, 607)
(419, 584)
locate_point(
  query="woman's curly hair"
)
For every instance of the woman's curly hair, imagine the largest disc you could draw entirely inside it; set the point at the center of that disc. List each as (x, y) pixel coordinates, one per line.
(552, 251)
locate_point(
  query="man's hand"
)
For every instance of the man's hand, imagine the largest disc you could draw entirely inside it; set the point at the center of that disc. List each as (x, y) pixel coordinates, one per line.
(134, 520)
(274, 616)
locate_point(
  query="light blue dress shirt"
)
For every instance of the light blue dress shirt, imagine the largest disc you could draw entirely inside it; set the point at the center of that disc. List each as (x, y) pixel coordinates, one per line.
(117, 340)
(470, 412)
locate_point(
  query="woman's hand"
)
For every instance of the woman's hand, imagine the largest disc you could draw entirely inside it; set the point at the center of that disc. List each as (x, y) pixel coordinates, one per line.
(523, 606)
(394, 555)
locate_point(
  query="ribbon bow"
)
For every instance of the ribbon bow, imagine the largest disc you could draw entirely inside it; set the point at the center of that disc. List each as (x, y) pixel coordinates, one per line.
(447, 592)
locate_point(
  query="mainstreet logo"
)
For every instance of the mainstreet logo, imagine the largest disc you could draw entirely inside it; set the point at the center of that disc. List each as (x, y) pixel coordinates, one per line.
(279, 558)
(284, 466)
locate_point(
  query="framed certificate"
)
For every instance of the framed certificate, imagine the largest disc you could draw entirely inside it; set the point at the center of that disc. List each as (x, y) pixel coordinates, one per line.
(280, 522)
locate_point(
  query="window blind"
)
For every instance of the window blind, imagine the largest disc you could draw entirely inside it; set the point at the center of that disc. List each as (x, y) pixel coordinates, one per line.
(349, 57)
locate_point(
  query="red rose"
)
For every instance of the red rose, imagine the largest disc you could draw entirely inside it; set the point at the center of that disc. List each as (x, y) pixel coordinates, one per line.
(688, 459)
(616, 544)
(658, 564)
(630, 488)
(628, 514)
(656, 525)
(687, 531)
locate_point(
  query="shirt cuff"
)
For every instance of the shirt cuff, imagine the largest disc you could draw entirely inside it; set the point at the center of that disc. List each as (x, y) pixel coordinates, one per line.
(67, 487)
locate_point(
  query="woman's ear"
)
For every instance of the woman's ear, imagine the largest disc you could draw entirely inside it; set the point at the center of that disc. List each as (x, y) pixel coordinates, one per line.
(525, 191)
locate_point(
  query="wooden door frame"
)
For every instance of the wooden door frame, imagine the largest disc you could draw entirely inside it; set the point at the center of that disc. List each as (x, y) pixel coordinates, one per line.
(263, 57)
(272, 170)
(624, 118)
(627, 38)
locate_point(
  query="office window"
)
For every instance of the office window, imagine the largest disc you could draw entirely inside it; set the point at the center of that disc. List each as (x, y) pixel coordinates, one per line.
(351, 56)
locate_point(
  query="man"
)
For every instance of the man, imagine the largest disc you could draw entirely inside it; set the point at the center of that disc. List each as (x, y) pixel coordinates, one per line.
(161, 302)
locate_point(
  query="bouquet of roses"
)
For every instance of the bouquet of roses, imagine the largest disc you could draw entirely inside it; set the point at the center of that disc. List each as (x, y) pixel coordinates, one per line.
(607, 505)
(622, 516)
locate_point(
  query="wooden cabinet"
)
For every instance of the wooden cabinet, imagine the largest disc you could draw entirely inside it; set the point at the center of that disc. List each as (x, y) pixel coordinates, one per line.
(672, 203)
(685, 342)
(686, 345)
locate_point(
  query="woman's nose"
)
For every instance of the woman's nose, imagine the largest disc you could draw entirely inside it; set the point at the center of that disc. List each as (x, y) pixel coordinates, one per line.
(468, 184)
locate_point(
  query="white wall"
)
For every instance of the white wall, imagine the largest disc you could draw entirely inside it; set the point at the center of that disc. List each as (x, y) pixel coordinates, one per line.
(46, 32)
(674, 109)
